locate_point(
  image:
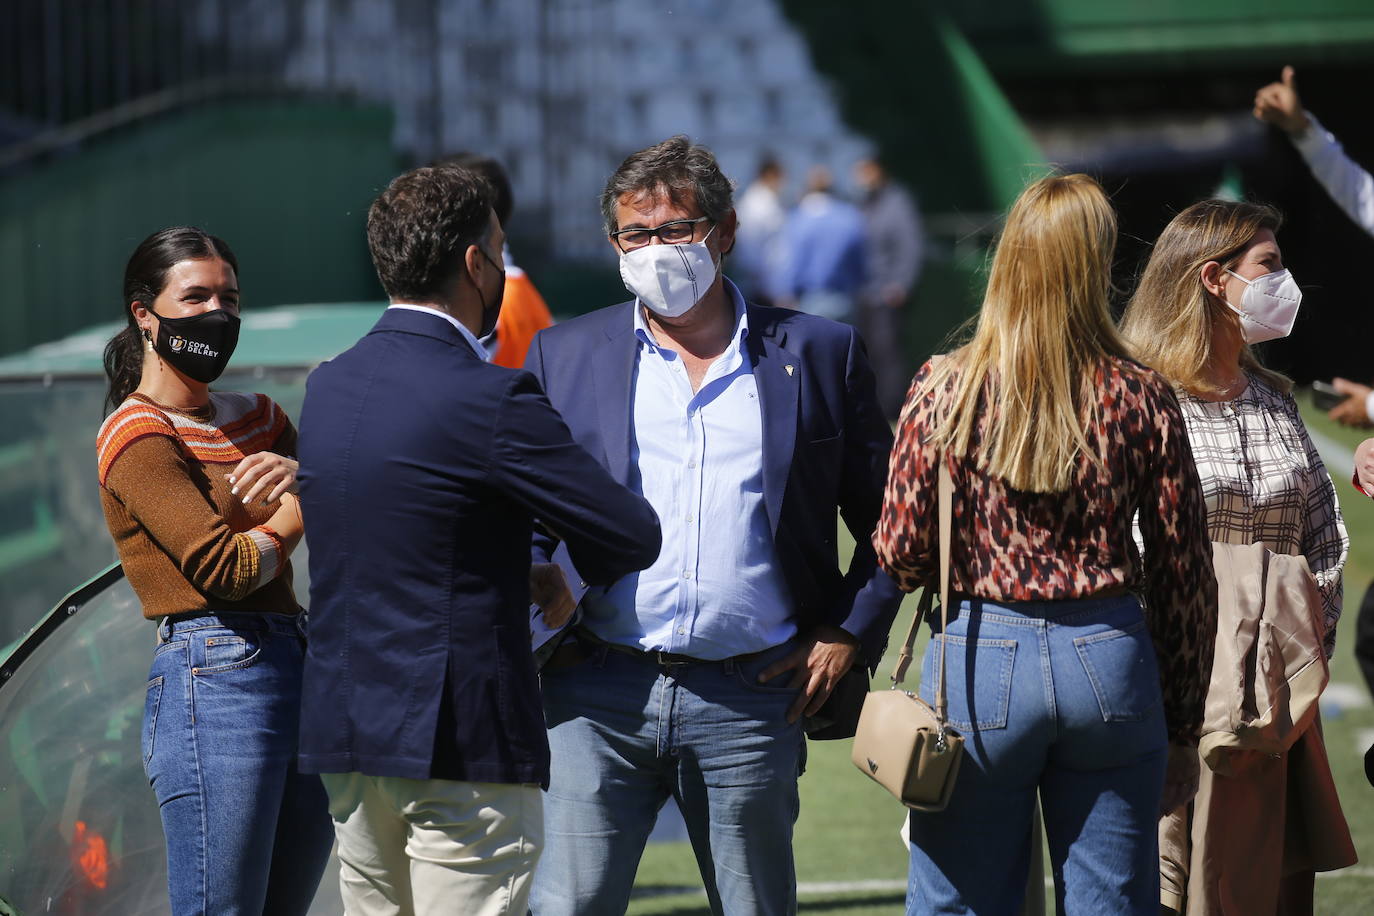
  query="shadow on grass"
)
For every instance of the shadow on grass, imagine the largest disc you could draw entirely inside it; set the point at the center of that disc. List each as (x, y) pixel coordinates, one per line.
(695, 908)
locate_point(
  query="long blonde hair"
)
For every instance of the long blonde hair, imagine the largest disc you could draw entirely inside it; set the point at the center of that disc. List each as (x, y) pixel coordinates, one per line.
(1170, 318)
(1042, 335)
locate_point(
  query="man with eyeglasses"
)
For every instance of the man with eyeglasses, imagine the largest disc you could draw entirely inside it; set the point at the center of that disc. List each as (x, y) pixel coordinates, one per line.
(746, 428)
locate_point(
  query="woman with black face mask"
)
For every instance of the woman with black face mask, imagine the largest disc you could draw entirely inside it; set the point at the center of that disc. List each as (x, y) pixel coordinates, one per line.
(198, 489)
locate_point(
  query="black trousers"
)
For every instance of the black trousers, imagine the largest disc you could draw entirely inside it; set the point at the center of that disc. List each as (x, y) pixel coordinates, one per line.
(1364, 638)
(881, 327)
(1364, 656)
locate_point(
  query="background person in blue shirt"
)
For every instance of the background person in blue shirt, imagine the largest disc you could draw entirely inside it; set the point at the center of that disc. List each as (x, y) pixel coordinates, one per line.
(746, 428)
(825, 252)
(895, 248)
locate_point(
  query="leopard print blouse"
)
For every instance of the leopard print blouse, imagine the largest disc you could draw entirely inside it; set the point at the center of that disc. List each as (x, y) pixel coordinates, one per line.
(1010, 545)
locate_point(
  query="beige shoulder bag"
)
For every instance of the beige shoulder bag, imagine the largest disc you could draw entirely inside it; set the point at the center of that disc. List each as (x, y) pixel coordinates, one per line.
(901, 743)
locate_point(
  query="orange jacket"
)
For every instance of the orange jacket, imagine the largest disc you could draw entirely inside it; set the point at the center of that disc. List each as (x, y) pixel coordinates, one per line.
(523, 314)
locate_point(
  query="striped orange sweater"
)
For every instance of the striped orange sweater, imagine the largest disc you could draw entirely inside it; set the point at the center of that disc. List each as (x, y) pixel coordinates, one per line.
(187, 543)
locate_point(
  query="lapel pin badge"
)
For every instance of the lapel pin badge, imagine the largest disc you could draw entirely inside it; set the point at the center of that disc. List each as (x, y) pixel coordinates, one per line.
(790, 369)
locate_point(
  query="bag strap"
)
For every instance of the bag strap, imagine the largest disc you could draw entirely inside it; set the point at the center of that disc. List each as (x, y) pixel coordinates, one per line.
(946, 522)
(904, 656)
(946, 495)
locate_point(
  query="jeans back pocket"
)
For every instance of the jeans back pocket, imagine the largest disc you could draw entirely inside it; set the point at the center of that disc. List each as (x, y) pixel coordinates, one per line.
(1121, 667)
(977, 683)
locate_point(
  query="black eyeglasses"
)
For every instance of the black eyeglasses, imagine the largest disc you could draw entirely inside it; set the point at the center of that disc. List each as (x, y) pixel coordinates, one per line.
(677, 232)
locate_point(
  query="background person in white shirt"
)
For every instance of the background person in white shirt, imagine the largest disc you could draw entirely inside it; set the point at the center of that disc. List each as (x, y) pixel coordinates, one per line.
(1350, 186)
(762, 216)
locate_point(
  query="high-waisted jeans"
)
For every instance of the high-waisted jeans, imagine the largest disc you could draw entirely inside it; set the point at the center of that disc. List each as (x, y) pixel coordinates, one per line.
(1060, 698)
(246, 833)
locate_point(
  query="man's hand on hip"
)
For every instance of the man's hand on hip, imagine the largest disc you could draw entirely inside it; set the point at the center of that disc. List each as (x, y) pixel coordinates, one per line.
(817, 666)
(549, 590)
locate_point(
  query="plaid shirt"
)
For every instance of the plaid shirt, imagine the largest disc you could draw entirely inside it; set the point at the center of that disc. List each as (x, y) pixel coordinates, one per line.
(1264, 483)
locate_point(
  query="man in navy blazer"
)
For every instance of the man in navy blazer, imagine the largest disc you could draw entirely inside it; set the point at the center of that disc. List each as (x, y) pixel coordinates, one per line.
(424, 471)
(746, 428)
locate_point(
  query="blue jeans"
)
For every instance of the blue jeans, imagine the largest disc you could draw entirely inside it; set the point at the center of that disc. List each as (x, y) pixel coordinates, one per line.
(625, 735)
(1060, 697)
(246, 833)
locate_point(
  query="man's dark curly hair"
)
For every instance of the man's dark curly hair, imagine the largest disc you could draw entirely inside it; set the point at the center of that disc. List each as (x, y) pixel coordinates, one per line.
(421, 226)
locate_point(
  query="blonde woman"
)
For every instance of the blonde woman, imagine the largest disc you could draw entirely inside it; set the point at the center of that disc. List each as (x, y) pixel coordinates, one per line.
(1058, 677)
(1214, 285)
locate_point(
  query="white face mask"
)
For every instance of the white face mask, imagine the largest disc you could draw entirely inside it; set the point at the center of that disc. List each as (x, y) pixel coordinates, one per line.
(1268, 307)
(669, 279)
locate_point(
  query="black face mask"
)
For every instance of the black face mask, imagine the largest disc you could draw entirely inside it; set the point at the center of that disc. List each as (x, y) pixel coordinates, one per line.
(493, 311)
(198, 346)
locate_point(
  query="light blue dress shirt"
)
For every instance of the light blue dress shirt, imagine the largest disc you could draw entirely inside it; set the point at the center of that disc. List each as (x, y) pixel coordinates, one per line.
(715, 589)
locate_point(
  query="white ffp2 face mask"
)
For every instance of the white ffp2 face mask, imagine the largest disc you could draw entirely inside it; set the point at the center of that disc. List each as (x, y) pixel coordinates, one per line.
(669, 279)
(1268, 307)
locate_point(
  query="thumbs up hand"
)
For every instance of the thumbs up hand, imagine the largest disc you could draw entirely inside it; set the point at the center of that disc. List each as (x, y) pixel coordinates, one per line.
(1278, 104)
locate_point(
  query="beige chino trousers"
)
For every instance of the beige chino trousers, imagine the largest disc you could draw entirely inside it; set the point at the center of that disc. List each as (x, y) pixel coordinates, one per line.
(434, 846)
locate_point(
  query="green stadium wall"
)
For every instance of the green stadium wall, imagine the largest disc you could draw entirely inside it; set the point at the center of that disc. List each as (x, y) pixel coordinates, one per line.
(286, 182)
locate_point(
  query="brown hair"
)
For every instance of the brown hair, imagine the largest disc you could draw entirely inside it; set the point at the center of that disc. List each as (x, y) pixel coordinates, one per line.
(1169, 319)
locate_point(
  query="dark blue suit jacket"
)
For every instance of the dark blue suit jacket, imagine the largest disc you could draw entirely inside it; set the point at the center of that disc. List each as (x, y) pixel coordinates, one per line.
(825, 447)
(423, 469)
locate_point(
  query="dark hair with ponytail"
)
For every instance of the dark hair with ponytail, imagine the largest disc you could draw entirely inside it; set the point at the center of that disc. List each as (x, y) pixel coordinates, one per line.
(144, 278)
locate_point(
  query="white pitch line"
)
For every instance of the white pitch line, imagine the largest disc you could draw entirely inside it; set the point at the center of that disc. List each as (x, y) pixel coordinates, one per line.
(843, 887)
(1354, 871)
(846, 887)
(1342, 696)
(809, 888)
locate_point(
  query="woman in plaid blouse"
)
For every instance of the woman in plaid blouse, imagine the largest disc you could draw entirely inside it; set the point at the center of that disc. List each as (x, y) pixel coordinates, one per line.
(1214, 285)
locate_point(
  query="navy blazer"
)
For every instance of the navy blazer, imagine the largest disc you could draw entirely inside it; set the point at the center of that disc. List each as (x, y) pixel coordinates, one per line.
(423, 470)
(825, 447)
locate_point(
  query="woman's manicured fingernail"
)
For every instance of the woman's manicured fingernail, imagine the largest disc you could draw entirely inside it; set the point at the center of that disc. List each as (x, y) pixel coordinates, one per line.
(235, 490)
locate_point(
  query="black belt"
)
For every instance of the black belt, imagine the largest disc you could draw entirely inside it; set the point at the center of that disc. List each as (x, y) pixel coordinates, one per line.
(677, 660)
(582, 644)
(587, 642)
